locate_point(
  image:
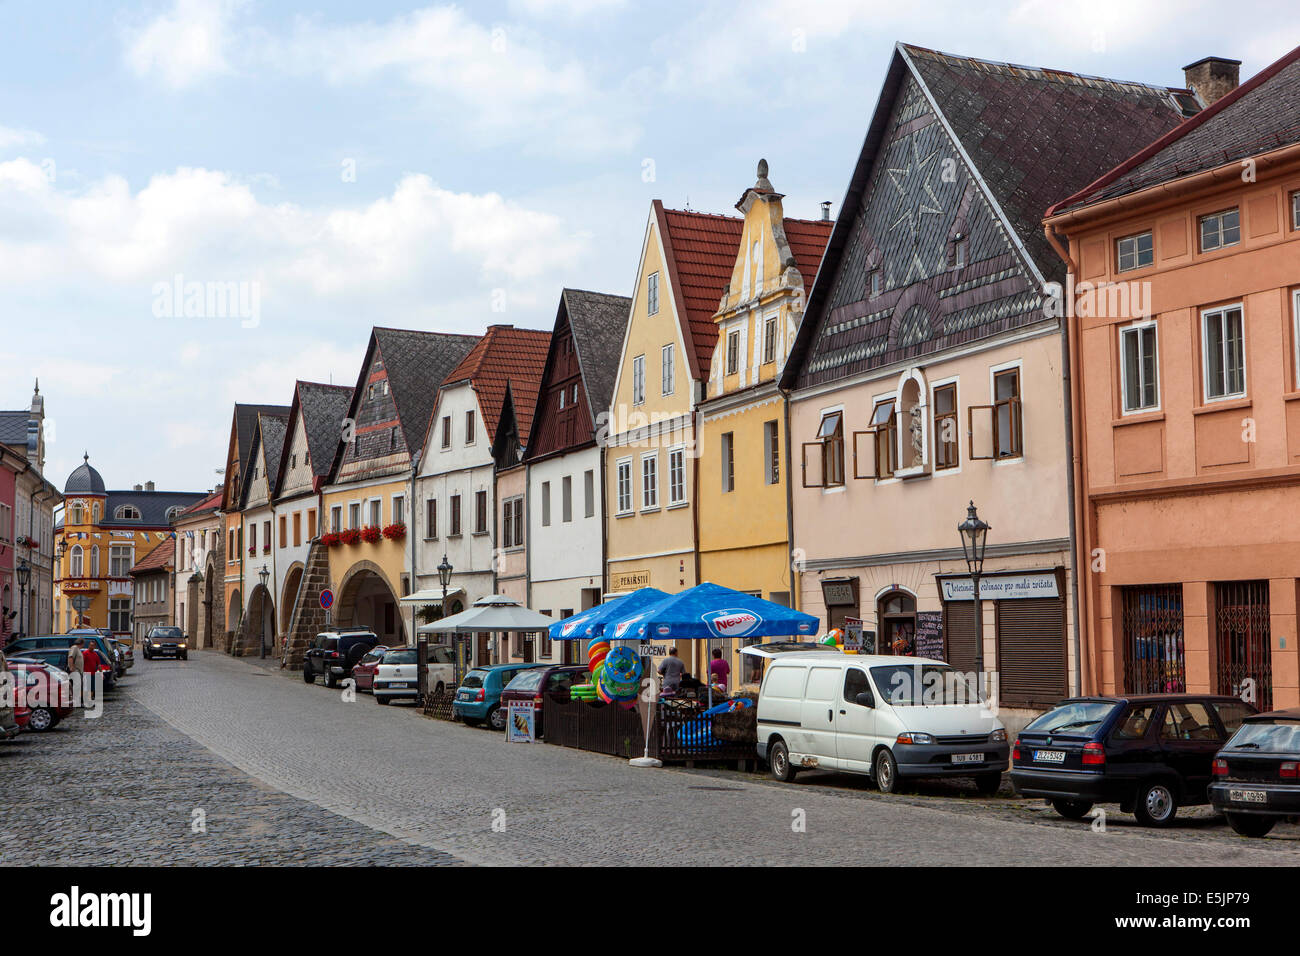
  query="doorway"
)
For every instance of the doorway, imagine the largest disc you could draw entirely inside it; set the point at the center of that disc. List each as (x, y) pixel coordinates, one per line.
(896, 622)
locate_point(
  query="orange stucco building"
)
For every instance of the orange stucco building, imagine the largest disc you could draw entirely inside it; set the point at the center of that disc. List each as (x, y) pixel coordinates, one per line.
(1184, 267)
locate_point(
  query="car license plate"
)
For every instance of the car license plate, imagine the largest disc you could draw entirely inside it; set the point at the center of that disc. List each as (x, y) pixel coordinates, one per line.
(397, 685)
(1049, 756)
(967, 758)
(1247, 796)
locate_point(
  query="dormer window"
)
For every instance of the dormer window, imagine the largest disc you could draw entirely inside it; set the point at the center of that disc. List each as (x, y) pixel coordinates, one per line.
(873, 282)
(127, 513)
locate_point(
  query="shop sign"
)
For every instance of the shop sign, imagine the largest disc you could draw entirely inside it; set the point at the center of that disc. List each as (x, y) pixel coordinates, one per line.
(853, 633)
(653, 650)
(628, 580)
(1003, 587)
(521, 722)
(839, 593)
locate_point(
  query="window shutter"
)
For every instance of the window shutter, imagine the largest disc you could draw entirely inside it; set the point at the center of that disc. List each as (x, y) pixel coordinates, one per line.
(980, 433)
(819, 480)
(869, 456)
(959, 634)
(1031, 651)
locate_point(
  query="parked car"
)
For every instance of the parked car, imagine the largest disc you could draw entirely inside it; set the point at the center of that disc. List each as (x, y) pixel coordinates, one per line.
(110, 643)
(397, 676)
(892, 718)
(478, 698)
(48, 691)
(1256, 776)
(364, 672)
(534, 683)
(334, 653)
(29, 646)
(9, 726)
(441, 668)
(1151, 754)
(165, 640)
(127, 647)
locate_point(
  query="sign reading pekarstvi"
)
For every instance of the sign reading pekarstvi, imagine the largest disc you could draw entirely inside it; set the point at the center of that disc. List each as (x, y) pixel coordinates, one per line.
(1003, 587)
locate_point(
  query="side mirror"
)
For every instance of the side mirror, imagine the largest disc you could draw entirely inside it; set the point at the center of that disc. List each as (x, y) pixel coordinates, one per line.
(865, 699)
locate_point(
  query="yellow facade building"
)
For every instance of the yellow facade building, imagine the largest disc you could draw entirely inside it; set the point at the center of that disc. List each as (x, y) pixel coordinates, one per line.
(745, 461)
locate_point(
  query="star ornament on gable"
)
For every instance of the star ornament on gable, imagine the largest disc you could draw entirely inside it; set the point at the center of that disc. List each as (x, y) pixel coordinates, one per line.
(916, 198)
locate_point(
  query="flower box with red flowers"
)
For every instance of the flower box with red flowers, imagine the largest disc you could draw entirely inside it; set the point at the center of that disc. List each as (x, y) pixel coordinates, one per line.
(395, 531)
(252, 550)
(330, 539)
(350, 536)
(370, 534)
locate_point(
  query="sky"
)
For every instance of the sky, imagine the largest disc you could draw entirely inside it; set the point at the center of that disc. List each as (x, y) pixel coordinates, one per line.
(204, 200)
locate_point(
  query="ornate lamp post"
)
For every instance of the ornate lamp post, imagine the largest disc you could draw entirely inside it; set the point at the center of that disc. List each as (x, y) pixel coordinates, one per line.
(24, 576)
(974, 535)
(444, 578)
(264, 575)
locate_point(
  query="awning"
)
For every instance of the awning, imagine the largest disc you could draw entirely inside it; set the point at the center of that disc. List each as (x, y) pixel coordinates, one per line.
(784, 647)
(429, 596)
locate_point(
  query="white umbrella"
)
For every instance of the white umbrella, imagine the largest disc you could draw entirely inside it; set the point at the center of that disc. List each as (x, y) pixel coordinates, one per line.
(496, 612)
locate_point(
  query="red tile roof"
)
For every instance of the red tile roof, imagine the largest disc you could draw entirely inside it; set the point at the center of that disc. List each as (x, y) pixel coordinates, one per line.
(701, 250)
(159, 559)
(808, 238)
(209, 503)
(505, 355)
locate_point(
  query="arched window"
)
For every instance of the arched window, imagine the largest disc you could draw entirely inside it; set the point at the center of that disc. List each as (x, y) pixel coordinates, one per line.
(172, 513)
(94, 561)
(94, 513)
(896, 623)
(913, 425)
(78, 513)
(127, 513)
(76, 563)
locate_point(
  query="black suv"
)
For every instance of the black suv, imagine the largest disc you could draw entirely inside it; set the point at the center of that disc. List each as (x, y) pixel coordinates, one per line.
(1257, 773)
(1150, 754)
(165, 641)
(334, 653)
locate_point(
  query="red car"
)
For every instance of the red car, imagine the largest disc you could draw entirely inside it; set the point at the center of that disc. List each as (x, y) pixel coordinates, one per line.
(364, 671)
(531, 684)
(47, 692)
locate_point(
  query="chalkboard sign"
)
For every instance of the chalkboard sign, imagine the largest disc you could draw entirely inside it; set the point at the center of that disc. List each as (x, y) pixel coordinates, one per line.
(929, 634)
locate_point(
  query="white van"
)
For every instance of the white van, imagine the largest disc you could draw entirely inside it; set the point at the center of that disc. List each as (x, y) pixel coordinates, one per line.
(887, 717)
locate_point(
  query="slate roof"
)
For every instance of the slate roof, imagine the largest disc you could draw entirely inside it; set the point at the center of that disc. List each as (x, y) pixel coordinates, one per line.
(84, 480)
(1261, 115)
(323, 408)
(504, 355)
(269, 435)
(599, 322)
(158, 559)
(417, 363)
(13, 427)
(246, 425)
(152, 505)
(700, 250)
(211, 503)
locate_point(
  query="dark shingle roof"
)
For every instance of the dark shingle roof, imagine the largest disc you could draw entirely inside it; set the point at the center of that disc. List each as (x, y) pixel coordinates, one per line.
(84, 480)
(152, 505)
(273, 428)
(599, 322)
(13, 427)
(416, 364)
(1261, 115)
(246, 424)
(323, 409)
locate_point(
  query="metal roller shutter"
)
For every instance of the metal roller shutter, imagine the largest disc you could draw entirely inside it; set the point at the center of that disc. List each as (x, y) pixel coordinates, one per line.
(1031, 651)
(959, 634)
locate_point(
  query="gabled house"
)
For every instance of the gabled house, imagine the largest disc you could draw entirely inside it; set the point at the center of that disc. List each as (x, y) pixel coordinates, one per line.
(744, 469)
(651, 432)
(558, 527)
(456, 484)
(1184, 264)
(256, 633)
(928, 369)
(151, 579)
(199, 561)
(366, 497)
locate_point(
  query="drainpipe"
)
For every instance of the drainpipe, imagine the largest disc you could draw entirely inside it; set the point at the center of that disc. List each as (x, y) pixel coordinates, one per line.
(796, 585)
(697, 423)
(411, 509)
(1079, 536)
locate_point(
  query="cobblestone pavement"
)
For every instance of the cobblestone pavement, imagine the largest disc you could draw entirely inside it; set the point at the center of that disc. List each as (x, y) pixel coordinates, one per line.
(122, 789)
(321, 780)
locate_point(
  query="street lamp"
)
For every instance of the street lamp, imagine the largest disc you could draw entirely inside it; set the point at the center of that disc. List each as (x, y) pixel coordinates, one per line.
(444, 578)
(24, 575)
(974, 535)
(264, 575)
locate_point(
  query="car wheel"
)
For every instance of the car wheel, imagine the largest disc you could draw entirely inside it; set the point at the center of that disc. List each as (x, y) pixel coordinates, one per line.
(1248, 824)
(887, 772)
(380, 700)
(307, 677)
(987, 784)
(185, 657)
(778, 762)
(1072, 809)
(497, 718)
(42, 719)
(1156, 804)
(471, 721)
(330, 680)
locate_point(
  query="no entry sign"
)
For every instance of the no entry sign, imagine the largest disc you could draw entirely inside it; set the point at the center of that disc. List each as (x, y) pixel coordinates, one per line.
(327, 599)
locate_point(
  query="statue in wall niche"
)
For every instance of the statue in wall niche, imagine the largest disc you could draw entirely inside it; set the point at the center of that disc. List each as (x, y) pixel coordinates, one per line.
(917, 433)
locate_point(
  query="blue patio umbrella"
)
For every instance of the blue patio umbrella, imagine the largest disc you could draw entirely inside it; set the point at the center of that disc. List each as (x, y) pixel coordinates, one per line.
(591, 622)
(705, 612)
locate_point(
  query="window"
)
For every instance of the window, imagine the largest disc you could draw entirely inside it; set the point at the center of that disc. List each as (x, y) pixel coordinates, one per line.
(638, 380)
(469, 427)
(1295, 327)
(392, 439)
(589, 494)
(512, 523)
(252, 537)
(667, 369)
(399, 509)
(885, 423)
(728, 462)
(771, 452)
(1188, 721)
(546, 504)
(431, 518)
(769, 340)
(676, 476)
(652, 293)
(370, 392)
(293, 461)
(311, 524)
(1220, 229)
(120, 560)
(624, 478)
(1007, 439)
(1152, 629)
(1138, 369)
(1136, 724)
(480, 512)
(650, 481)
(119, 615)
(455, 516)
(284, 531)
(566, 498)
(1295, 210)
(127, 513)
(563, 392)
(376, 512)
(733, 352)
(94, 561)
(446, 431)
(266, 535)
(354, 515)
(1134, 252)
(873, 282)
(945, 427)
(336, 519)
(830, 449)
(1224, 350)
(76, 563)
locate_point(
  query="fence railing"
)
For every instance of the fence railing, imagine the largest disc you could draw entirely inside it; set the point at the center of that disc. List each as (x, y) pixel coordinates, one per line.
(675, 735)
(438, 705)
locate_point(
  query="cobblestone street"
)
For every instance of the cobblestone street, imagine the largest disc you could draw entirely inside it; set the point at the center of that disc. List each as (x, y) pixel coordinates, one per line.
(291, 774)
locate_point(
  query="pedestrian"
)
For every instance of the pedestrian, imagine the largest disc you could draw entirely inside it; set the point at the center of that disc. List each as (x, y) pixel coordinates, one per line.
(671, 670)
(76, 658)
(719, 670)
(92, 663)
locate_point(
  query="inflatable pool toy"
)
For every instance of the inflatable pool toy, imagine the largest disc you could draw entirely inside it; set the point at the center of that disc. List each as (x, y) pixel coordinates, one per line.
(834, 637)
(615, 674)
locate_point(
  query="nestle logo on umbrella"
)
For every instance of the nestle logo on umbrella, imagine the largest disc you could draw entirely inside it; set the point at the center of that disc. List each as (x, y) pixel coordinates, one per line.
(663, 629)
(733, 622)
(621, 628)
(567, 629)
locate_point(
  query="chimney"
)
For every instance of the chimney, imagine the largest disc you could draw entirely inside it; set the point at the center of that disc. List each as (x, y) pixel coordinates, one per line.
(1212, 78)
(826, 211)
(137, 488)
(148, 486)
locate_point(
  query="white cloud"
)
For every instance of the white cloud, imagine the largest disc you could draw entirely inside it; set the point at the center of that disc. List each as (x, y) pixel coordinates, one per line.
(11, 138)
(565, 8)
(184, 45)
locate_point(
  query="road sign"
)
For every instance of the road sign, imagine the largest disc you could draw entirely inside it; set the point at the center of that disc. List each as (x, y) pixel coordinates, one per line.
(327, 599)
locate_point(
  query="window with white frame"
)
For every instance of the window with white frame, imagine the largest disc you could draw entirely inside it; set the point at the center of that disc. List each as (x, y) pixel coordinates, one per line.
(1223, 349)
(769, 340)
(728, 462)
(120, 560)
(1220, 229)
(376, 510)
(733, 352)
(588, 493)
(1139, 368)
(1134, 252)
(566, 498)
(546, 504)
(76, 562)
(676, 476)
(336, 518)
(354, 516)
(94, 561)
(650, 480)
(623, 472)
(667, 369)
(771, 452)
(1295, 329)
(399, 509)
(1295, 209)
(652, 293)
(512, 522)
(638, 380)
